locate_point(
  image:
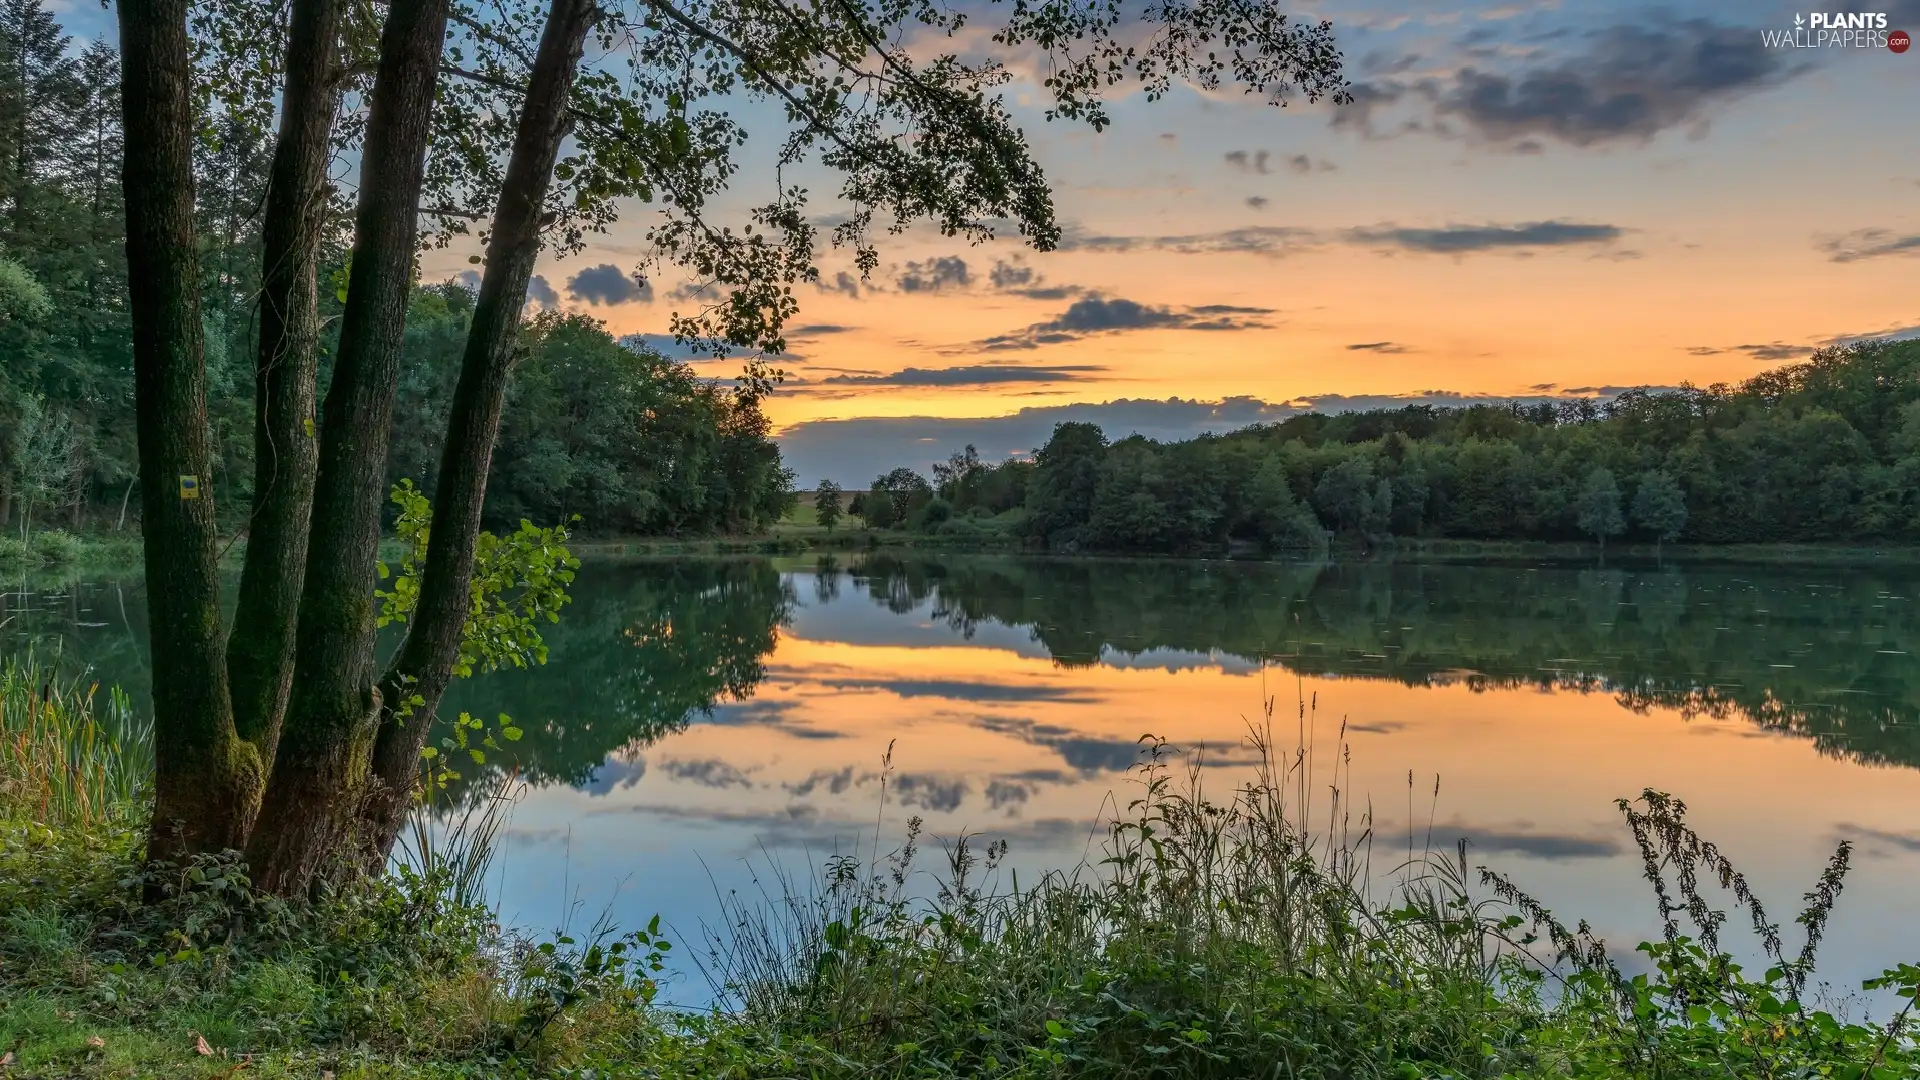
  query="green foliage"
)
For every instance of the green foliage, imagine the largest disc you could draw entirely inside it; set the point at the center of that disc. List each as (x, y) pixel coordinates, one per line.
(610, 432)
(826, 505)
(519, 582)
(1597, 508)
(1659, 506)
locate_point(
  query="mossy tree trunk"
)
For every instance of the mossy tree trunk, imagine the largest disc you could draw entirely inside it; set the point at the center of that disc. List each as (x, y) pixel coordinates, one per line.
(260, 648)
(432, 646)
(204, 771)
(326, 747)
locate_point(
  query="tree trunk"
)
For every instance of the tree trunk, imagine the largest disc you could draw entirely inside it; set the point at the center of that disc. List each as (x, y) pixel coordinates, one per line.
(327, 741)
(200, 761)
(435, 630)
(260, 649)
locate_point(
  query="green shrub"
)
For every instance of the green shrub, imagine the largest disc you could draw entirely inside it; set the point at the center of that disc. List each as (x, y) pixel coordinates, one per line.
(14, 553)
(55, 547)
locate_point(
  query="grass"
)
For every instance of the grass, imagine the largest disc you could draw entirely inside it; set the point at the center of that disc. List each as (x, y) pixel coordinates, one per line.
(1245, 935)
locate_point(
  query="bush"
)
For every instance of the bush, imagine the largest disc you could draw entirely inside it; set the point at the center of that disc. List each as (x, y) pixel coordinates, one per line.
(56, 547)
(14, 553)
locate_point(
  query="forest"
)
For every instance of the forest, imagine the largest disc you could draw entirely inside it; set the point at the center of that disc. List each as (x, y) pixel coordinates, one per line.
(607, 430)
(1825, 450)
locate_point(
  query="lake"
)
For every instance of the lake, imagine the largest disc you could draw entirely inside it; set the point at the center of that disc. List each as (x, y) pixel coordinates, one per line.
(701, 721)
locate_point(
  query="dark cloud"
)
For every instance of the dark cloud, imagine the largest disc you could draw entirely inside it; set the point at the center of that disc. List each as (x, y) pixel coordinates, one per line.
(1270, 240)
(1778, 350)
(817, 330)
(1258, 202)
(936, 275)
(607, 285)
(973, 375)
(1869, 244)
(1008, 275)
(1100, 315)
(540, 292)
(844, 283)
(931, 791)
(1005, 793)
(961, 690)
(1624, 83)
(706, 772)
(832, 781)
(1538, 845)
(1879, 843)
(1253, 161)
(1466, 239)
(1088, 755)
(469, 280)
(614, 774)
(1377, 347)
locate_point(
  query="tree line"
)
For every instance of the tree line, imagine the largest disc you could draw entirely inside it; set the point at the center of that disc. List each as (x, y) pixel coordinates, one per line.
(1823, 450)
(613, 432)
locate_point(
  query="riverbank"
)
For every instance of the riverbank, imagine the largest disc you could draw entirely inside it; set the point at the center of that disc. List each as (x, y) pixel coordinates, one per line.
(1213, 939)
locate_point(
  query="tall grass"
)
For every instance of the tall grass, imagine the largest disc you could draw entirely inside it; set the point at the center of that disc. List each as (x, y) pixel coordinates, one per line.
(69, 756)
(1210, 936)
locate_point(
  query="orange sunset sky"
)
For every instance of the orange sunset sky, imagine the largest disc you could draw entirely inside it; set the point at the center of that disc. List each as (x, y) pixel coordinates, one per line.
(1527, 199)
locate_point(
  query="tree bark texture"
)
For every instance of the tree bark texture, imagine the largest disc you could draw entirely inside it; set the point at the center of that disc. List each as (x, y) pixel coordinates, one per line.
(327, 740)
(260, 648)
(202, 766)
(435, 631)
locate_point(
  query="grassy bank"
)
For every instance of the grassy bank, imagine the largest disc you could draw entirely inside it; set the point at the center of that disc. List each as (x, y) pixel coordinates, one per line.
(1217, 938)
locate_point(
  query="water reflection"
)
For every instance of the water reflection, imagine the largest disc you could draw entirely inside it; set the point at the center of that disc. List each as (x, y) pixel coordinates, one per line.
(694, 714)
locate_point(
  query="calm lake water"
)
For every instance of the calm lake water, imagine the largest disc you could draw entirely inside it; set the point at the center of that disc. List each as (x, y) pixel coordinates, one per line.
(700, 719)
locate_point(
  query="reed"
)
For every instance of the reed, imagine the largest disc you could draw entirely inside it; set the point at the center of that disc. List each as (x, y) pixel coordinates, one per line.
(70, 755)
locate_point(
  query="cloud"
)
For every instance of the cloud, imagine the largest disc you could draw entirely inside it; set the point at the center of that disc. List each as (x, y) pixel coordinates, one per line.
(1465, 239)
(817, 330)
(972, 375)
(1100, 315)
(1270, 240)
(607, 285)
(936, 275)
(1258, 202)
(845, 284)
(1539, 845)
(1011, 275)
(614, 774)
(1778, 350)
(1623, 84)
(1869, 244)
(540, 292)
(1380, 347)
(1249, 161)
(930, 791)
(1279, 241)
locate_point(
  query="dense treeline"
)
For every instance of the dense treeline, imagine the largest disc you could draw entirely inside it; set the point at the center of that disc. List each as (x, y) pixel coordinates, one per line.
(630, 441)
(626, 439)
(1825, 450)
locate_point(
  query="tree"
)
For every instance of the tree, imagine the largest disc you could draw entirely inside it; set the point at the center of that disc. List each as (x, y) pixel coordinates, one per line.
(1660, 507)
(915, 138)
(877, 506)
(1348, 495)
(1278, 520)
(1066, 478)
(826, 504)
(1597, 508)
